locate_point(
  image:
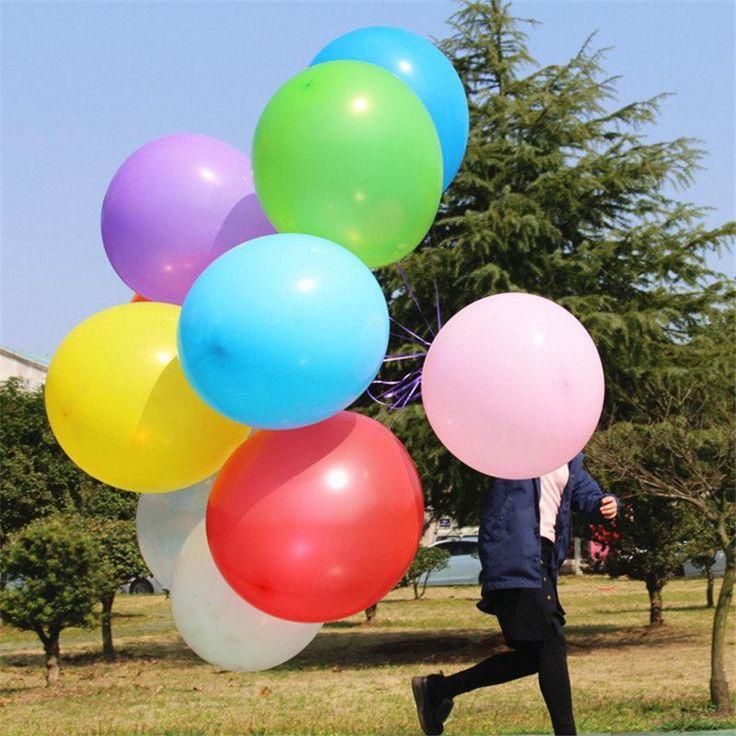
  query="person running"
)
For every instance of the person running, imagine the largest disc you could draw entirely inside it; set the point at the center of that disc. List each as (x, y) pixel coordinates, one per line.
(523, 538)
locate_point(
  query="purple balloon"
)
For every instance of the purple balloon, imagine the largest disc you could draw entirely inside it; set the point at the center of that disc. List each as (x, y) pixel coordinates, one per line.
(174, 206)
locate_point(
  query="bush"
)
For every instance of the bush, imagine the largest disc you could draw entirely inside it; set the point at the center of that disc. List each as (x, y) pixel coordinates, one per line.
(426, 560)
(55, 576)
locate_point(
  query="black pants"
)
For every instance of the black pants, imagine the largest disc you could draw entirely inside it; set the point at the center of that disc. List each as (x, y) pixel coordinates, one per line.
(546, 658)
(532, 621)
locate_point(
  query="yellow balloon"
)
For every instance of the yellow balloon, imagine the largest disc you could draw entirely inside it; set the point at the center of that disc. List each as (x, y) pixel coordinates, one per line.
(120, 407)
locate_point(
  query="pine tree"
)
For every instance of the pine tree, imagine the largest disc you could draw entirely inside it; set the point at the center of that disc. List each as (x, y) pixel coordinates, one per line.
(560, 195)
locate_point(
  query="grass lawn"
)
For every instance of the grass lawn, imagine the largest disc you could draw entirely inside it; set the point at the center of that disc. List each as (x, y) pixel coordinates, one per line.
(354, 678)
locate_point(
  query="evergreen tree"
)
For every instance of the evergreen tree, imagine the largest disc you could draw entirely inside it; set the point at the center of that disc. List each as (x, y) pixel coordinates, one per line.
(561, 195)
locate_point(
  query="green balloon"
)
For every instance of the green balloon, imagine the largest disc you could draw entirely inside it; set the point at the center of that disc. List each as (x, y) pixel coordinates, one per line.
(346, 151)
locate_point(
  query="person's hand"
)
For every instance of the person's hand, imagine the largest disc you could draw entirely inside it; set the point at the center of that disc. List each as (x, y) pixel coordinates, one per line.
(609, 507)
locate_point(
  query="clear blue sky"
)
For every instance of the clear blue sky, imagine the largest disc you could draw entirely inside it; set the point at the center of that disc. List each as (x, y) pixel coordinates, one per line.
(87, 83)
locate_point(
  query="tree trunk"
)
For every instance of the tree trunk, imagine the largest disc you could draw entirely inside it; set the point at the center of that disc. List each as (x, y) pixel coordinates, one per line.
(370, 613)
(415, 586)
(654, 588)
(719, 692)
(108, 649)
(51, 649)
(709, 586)
(424, 586)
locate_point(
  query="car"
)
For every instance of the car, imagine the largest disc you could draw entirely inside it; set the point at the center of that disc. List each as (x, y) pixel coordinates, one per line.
(691, 570)
(142, 586)
(463, 567)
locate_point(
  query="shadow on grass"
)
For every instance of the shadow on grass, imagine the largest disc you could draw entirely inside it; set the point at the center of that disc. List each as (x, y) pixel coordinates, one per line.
(119, 615)
(375, 647)
(175, 652)
(346, 625)
(645, 608)
(353, 645)
(585, 639)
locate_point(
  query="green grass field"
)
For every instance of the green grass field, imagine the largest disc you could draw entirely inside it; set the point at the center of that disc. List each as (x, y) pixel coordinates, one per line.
(354, 678)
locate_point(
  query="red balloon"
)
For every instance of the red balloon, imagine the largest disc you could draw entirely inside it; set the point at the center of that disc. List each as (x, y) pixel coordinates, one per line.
(139, 298)
(317, 523)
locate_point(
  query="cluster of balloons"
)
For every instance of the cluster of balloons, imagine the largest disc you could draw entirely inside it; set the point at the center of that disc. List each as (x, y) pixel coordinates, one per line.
(219, 393)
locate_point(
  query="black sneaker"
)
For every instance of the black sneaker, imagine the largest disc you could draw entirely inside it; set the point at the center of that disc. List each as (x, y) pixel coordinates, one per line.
(432, 707)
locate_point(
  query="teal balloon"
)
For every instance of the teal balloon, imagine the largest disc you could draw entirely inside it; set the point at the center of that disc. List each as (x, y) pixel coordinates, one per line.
(283, 331)
(421, 65)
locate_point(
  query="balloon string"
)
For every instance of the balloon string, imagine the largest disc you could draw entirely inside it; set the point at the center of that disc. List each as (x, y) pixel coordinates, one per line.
(437, 306)
(395, 386)
(413, 387)
(414, 298)
(394, 358)
(397, 390)
(409, 332)
(398, 394)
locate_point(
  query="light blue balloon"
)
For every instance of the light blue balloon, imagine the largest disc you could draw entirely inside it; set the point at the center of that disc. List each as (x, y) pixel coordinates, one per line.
(283, 331)
(420, 64)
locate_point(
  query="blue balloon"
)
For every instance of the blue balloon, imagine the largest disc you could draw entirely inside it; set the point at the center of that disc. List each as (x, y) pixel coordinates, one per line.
(420, 64)
(283, 331)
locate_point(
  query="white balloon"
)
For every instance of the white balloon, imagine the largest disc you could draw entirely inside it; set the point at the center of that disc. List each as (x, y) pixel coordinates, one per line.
(219, 625)
(163, 522)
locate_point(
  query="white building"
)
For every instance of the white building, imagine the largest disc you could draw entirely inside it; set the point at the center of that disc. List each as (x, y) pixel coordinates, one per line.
(31, 369)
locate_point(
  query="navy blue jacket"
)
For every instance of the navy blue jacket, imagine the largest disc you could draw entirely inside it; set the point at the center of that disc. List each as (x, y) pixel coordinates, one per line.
(509, 543)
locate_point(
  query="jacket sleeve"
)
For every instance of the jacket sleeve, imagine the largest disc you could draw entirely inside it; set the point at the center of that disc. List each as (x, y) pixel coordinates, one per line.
(586, 493)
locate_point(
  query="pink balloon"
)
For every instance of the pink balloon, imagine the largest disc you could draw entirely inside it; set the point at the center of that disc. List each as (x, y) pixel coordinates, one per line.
(513, 386)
